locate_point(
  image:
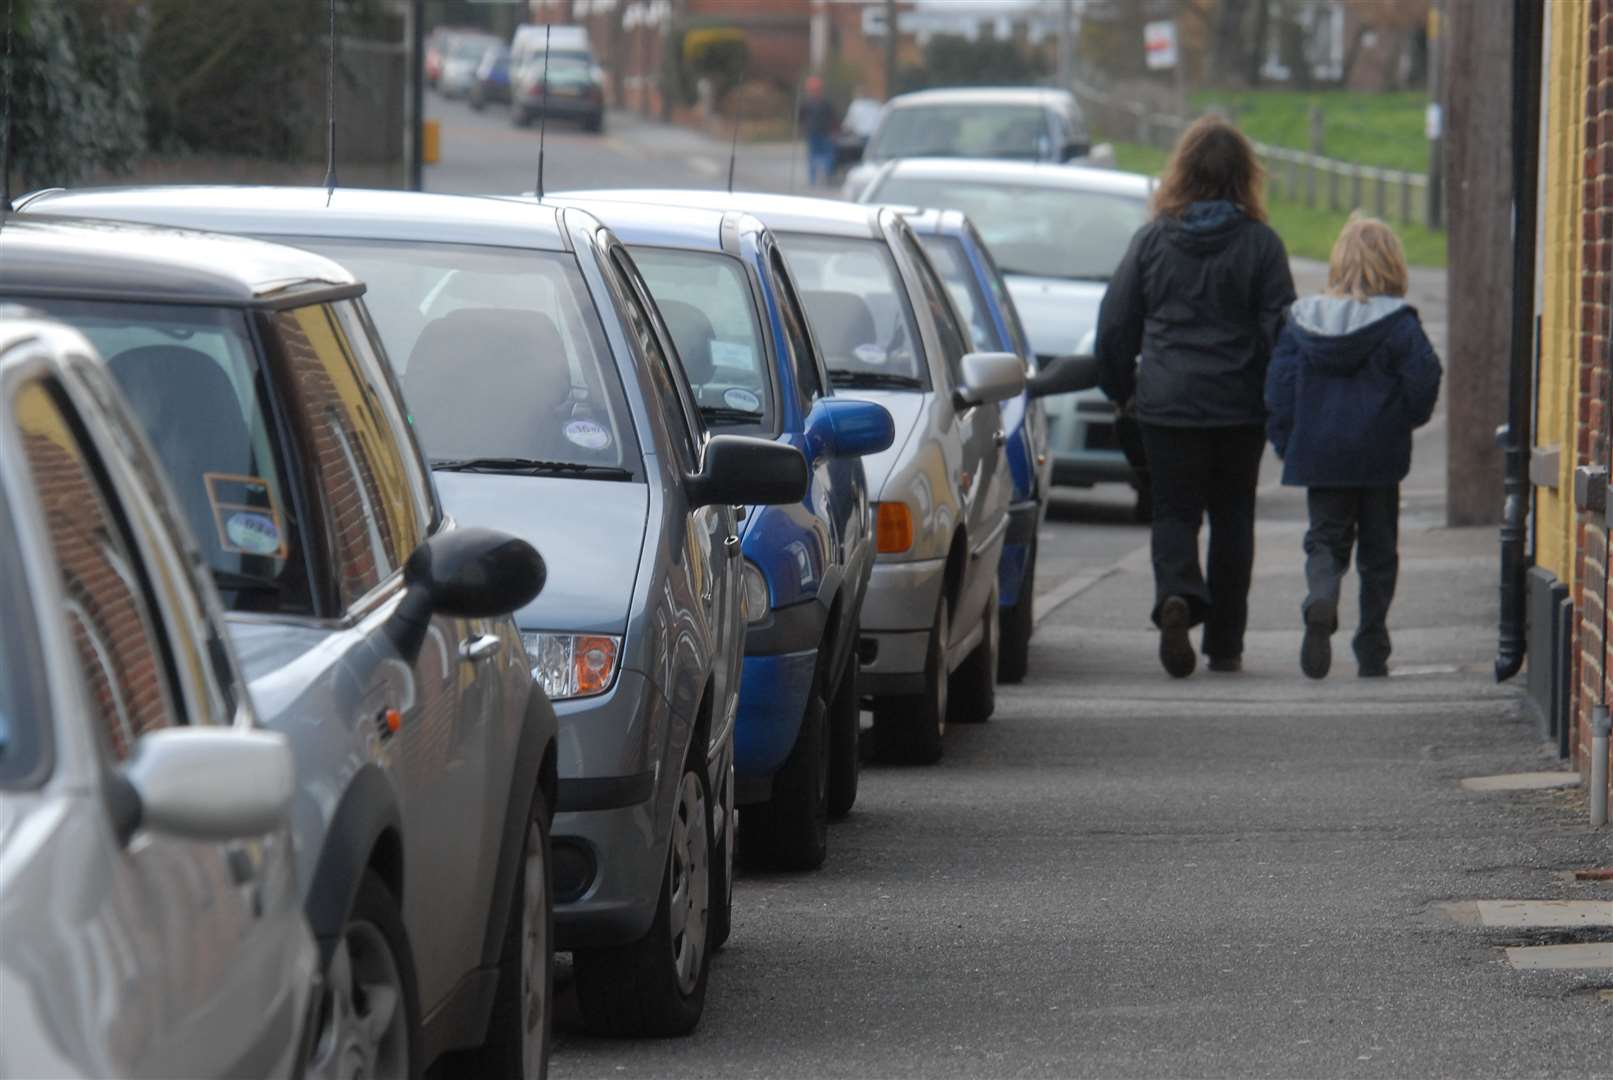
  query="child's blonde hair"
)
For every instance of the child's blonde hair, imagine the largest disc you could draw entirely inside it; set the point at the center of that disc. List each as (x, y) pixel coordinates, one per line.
(1367, 260)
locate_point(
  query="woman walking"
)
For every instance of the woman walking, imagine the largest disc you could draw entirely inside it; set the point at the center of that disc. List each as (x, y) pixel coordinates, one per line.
(1184, 335)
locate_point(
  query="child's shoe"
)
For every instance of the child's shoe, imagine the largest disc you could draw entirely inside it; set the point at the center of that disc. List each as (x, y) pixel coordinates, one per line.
(1316, 652)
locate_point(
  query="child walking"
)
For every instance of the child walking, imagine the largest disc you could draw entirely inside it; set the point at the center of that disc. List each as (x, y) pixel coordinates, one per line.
(1352, 376)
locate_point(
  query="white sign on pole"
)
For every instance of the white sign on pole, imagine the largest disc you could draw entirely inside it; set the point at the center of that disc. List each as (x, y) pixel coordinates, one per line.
(1434, 121)
(1159, 44)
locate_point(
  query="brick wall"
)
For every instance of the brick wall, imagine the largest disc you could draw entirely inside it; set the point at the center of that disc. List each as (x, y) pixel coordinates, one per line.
(1594, 669)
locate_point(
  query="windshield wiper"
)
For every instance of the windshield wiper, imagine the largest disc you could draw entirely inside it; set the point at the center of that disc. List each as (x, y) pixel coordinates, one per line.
(722, 414)
(230, 581)
(868, 380)
(530, 466)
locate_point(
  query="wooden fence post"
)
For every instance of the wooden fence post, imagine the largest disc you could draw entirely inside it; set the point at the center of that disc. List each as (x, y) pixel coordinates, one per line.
(1355, 187)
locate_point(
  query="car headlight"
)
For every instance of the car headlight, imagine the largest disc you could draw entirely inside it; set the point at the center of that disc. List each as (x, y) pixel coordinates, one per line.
(755, 595)
(572, 665)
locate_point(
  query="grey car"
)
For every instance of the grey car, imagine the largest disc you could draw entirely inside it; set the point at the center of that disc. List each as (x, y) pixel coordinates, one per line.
(549, 396)
(149, 917)
(373, 628)
(890, 332)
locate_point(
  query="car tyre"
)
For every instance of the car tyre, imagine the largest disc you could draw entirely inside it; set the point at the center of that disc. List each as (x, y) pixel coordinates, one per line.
(520, 116)
(518, 1032)
(911, 728)
(1017, 624)
(370, 1023)
(475, 100)
(594, 124)
(657, 985)
(845, 739)
(974, 689)
(722, 868)
(791, 830)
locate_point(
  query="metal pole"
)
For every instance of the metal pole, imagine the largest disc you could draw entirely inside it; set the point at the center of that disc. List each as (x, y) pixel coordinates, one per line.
(1601, 726)
(890, 49)
(1066, 44)
(1436, 105)
(417, 94)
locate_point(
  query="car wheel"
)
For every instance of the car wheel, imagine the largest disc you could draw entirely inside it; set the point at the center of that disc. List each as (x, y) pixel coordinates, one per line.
(1014, 646)
(791, 830)
(370, 1025)
(657, 985)
(910, 728)
(974, 693)
(519, 116)
(722, 868)
(594, 124)
(845, 734)
(474, 100)
(518, 1031)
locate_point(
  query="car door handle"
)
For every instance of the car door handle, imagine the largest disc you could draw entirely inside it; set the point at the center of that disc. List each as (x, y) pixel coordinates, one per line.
(474, 650)
(1000, 437)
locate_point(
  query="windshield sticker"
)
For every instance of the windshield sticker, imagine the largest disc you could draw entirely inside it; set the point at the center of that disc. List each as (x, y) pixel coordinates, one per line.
(732, 354)
(245, 514)
(737, 397)
(587, 434)
(872, 355)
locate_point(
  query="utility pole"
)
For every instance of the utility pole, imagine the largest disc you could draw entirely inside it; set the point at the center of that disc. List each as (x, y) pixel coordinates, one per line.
(1436, 115)
(890, 49)
(1066, 44)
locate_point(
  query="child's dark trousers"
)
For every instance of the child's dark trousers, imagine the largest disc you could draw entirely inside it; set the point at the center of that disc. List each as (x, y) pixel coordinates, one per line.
(1368, 520)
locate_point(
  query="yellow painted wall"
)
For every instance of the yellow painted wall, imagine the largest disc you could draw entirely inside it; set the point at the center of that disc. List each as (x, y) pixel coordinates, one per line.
(1558, 387)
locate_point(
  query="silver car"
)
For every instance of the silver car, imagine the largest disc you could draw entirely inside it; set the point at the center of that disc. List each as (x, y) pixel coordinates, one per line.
(1057, 232)
(891, 333)
(149, 917)
(374, 630)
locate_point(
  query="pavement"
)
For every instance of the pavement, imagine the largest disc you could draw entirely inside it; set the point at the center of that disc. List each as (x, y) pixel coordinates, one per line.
(1127, 875)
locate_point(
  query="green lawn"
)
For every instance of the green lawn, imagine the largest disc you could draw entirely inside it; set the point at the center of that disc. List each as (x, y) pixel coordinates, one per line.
(1385, 130)
(1308, 233)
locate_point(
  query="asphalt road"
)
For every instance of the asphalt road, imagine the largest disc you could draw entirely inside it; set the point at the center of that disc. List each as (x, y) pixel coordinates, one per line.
(1125, 875)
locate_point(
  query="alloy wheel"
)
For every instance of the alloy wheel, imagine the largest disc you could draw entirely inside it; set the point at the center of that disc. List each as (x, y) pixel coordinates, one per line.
(366, 1030)
(690, 882)
(534, 953)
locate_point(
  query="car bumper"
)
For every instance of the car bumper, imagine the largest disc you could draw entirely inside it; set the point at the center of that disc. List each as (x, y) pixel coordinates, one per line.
(562, 107)
(1023, 519)
(896, 617)
(1084, 444)
(781, 660)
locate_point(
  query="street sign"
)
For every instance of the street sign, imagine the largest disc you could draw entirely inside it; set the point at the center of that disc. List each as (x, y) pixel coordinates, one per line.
(1159, 44)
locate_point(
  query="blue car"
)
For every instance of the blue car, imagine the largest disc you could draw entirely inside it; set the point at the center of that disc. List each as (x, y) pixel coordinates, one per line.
(978, 288)
(729, 300)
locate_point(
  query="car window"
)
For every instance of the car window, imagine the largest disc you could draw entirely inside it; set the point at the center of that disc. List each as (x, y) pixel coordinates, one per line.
(707, 304)
(954, 344)
(857, 303)
(23, 692)
(1058, 232)
(499, 352)
(678, 410)
(193, 378)
(999, 290)
(947, 255)
(964, 130)
(372, 518)
(808, 382)
(115, 637)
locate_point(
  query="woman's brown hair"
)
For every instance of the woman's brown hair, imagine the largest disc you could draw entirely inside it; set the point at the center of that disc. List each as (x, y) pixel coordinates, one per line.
(1212, 160)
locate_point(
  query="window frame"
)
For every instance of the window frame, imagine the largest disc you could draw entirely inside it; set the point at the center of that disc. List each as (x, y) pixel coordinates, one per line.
(690, 433)
(936, 293)
(790, 307)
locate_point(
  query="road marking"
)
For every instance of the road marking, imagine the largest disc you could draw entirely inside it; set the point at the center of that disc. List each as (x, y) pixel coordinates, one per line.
(1581, 957)
(1524, 781)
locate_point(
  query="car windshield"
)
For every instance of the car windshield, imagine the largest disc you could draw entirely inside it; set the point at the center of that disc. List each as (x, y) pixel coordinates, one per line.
(192, 377)
(964, 130)
(1059, 232)
(499, 351)
(563, 70)
(21, 695)
(708, 306)
(947, 256)
(859, 310)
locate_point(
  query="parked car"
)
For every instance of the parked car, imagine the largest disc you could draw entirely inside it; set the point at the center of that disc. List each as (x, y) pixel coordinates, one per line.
(890, 333)
(982, 297)
(727, 296)
(531, 40)
(373, 629)
(461, 62)
(492, 81)
(144, 816)
(1025, 123)
(1057, 232)
(578, 432)
(436, 51)
(575, 92)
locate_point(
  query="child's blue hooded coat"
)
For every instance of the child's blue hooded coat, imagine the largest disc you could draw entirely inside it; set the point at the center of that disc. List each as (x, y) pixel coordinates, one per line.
(1349, 381)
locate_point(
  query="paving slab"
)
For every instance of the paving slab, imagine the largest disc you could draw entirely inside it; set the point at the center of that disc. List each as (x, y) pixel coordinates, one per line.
(1591, 956)
(1524, 781)
(1544, 914)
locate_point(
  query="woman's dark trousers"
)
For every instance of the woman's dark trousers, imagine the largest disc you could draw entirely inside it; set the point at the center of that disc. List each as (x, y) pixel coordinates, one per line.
(1199, 470)
(1368, 520)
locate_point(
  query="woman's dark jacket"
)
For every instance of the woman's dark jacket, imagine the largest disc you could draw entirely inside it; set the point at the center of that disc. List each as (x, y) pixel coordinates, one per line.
(1348, 384)
(1200, 299)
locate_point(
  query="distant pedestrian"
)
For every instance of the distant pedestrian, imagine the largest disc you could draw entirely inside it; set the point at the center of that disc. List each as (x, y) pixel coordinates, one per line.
(1352, 377)
(1184, 335)
(818, 125)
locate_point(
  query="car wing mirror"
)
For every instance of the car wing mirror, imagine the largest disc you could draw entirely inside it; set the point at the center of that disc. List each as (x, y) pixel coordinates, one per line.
(738, 470)
(989, 377)
(205, 782)
(843, 427)
(1064, 375)
(467, 572)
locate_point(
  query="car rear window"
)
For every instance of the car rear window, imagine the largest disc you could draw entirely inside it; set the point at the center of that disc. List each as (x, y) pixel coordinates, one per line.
(965, 130)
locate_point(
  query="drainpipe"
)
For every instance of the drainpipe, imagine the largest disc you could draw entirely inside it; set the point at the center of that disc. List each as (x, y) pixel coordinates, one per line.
(1515, 436)
(1601, 726)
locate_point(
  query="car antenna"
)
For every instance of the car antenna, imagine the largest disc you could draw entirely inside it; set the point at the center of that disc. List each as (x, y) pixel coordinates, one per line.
(5, 124)
(330, 111)
(795, 135)
(543, 105)
(733, 149)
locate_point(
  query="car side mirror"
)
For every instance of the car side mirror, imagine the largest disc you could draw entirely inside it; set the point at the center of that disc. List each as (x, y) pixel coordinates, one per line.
(989, 377)
(206, 783)
(1074, 149)
(1063, 375)
(467, 572)
(842, 427)
(738, 470)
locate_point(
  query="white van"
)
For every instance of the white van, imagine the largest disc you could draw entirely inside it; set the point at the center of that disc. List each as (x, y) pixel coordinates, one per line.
(563, 40)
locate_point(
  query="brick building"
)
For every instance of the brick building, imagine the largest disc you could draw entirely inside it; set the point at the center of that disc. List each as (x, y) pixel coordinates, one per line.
(1570, 650)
